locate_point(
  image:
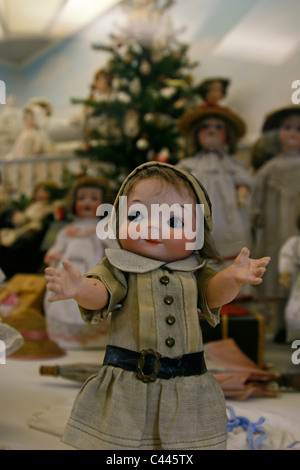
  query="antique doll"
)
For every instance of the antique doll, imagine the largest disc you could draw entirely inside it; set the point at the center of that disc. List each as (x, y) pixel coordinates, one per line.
(153, 390)
(212, 132)
(77, 242)
(23, 231)
(33, 139)
(289, 277)
(213, 90)
(101, 87)
(20, 223)
(274, 205)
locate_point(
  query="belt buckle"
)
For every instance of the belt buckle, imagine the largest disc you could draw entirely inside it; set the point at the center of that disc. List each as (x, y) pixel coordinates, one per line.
(141, 362)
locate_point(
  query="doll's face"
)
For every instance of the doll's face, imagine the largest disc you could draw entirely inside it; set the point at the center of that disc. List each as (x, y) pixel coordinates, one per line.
(289, 134)
(101, 84)
(158, 234)
(215, 92)
(41, 194)
(212, 134)
(87, 201)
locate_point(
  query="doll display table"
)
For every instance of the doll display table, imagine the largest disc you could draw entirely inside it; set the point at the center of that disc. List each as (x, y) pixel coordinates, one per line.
(34, 408)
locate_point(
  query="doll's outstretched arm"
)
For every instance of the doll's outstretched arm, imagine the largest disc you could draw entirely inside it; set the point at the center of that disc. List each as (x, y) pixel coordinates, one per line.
(68, 283)
(225, 285)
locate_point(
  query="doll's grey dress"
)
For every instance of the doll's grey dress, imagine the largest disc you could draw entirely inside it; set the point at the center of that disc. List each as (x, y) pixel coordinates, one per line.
(275, 205)
(114, 409)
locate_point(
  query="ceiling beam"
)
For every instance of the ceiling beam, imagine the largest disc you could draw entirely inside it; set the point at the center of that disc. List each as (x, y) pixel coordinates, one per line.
(55, 16)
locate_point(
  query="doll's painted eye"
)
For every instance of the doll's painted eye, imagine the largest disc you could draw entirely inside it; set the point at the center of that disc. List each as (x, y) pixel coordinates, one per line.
(135, 216)
(175, 222)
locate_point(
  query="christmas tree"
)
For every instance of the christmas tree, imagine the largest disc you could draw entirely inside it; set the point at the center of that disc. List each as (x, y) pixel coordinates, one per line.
(138, 96)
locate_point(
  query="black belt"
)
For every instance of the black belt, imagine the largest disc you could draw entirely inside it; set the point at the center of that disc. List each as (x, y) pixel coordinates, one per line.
(149, 364)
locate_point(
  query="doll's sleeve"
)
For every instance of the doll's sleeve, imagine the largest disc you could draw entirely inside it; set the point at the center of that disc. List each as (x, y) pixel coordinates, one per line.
(60, 243)
(203, 276)
(242, 175)
(116, 285)
(289, 255)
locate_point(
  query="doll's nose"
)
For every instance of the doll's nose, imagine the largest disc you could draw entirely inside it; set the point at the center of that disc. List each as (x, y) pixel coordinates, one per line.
(154, 226)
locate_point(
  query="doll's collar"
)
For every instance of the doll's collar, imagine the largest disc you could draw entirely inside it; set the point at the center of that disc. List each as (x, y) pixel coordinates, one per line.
(132, 262)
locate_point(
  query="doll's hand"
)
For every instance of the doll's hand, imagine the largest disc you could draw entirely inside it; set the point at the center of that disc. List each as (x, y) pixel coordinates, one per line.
(52, 258)
(285, 278)
(226, 284)
(64, 283)
(247, 270)
(73, 232)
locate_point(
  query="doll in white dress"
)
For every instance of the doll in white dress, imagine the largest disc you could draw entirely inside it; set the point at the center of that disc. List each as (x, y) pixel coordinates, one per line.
(78, 243)
(289, 277)
(33, 139)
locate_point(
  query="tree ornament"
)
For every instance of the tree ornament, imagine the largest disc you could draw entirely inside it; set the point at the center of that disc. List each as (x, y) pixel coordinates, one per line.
(145, 67)
(163, 155)
(131, 126)
(142, 144)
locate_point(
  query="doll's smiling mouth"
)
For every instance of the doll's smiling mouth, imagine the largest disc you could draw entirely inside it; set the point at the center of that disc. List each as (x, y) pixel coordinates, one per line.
(153, 242)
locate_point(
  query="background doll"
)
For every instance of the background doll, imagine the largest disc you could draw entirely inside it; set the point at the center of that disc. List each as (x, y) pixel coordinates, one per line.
(213, 90)
(77, 242)
(152, 285)
(274, 204)
(33, 139)
(289, 271)
(212, 132)
(22, 231)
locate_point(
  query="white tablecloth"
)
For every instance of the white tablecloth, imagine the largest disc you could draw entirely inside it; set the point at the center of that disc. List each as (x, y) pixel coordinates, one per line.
(34, 408)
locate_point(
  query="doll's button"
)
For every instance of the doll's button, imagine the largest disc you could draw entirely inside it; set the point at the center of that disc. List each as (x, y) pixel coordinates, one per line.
(164, 280)
(170, 320)
(170, 342)
(168, 300)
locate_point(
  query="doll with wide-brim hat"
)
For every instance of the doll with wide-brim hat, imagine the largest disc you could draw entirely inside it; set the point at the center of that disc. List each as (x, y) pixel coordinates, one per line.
(275, 200)
(190, 122)
(212, 132)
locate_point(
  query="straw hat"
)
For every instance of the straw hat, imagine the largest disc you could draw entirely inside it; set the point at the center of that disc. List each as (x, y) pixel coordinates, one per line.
(32, 325)
(274, 119)
(191, 118)
(189, 125)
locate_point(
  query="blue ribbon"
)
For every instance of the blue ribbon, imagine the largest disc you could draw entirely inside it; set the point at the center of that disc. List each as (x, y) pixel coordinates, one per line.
(251, 428)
